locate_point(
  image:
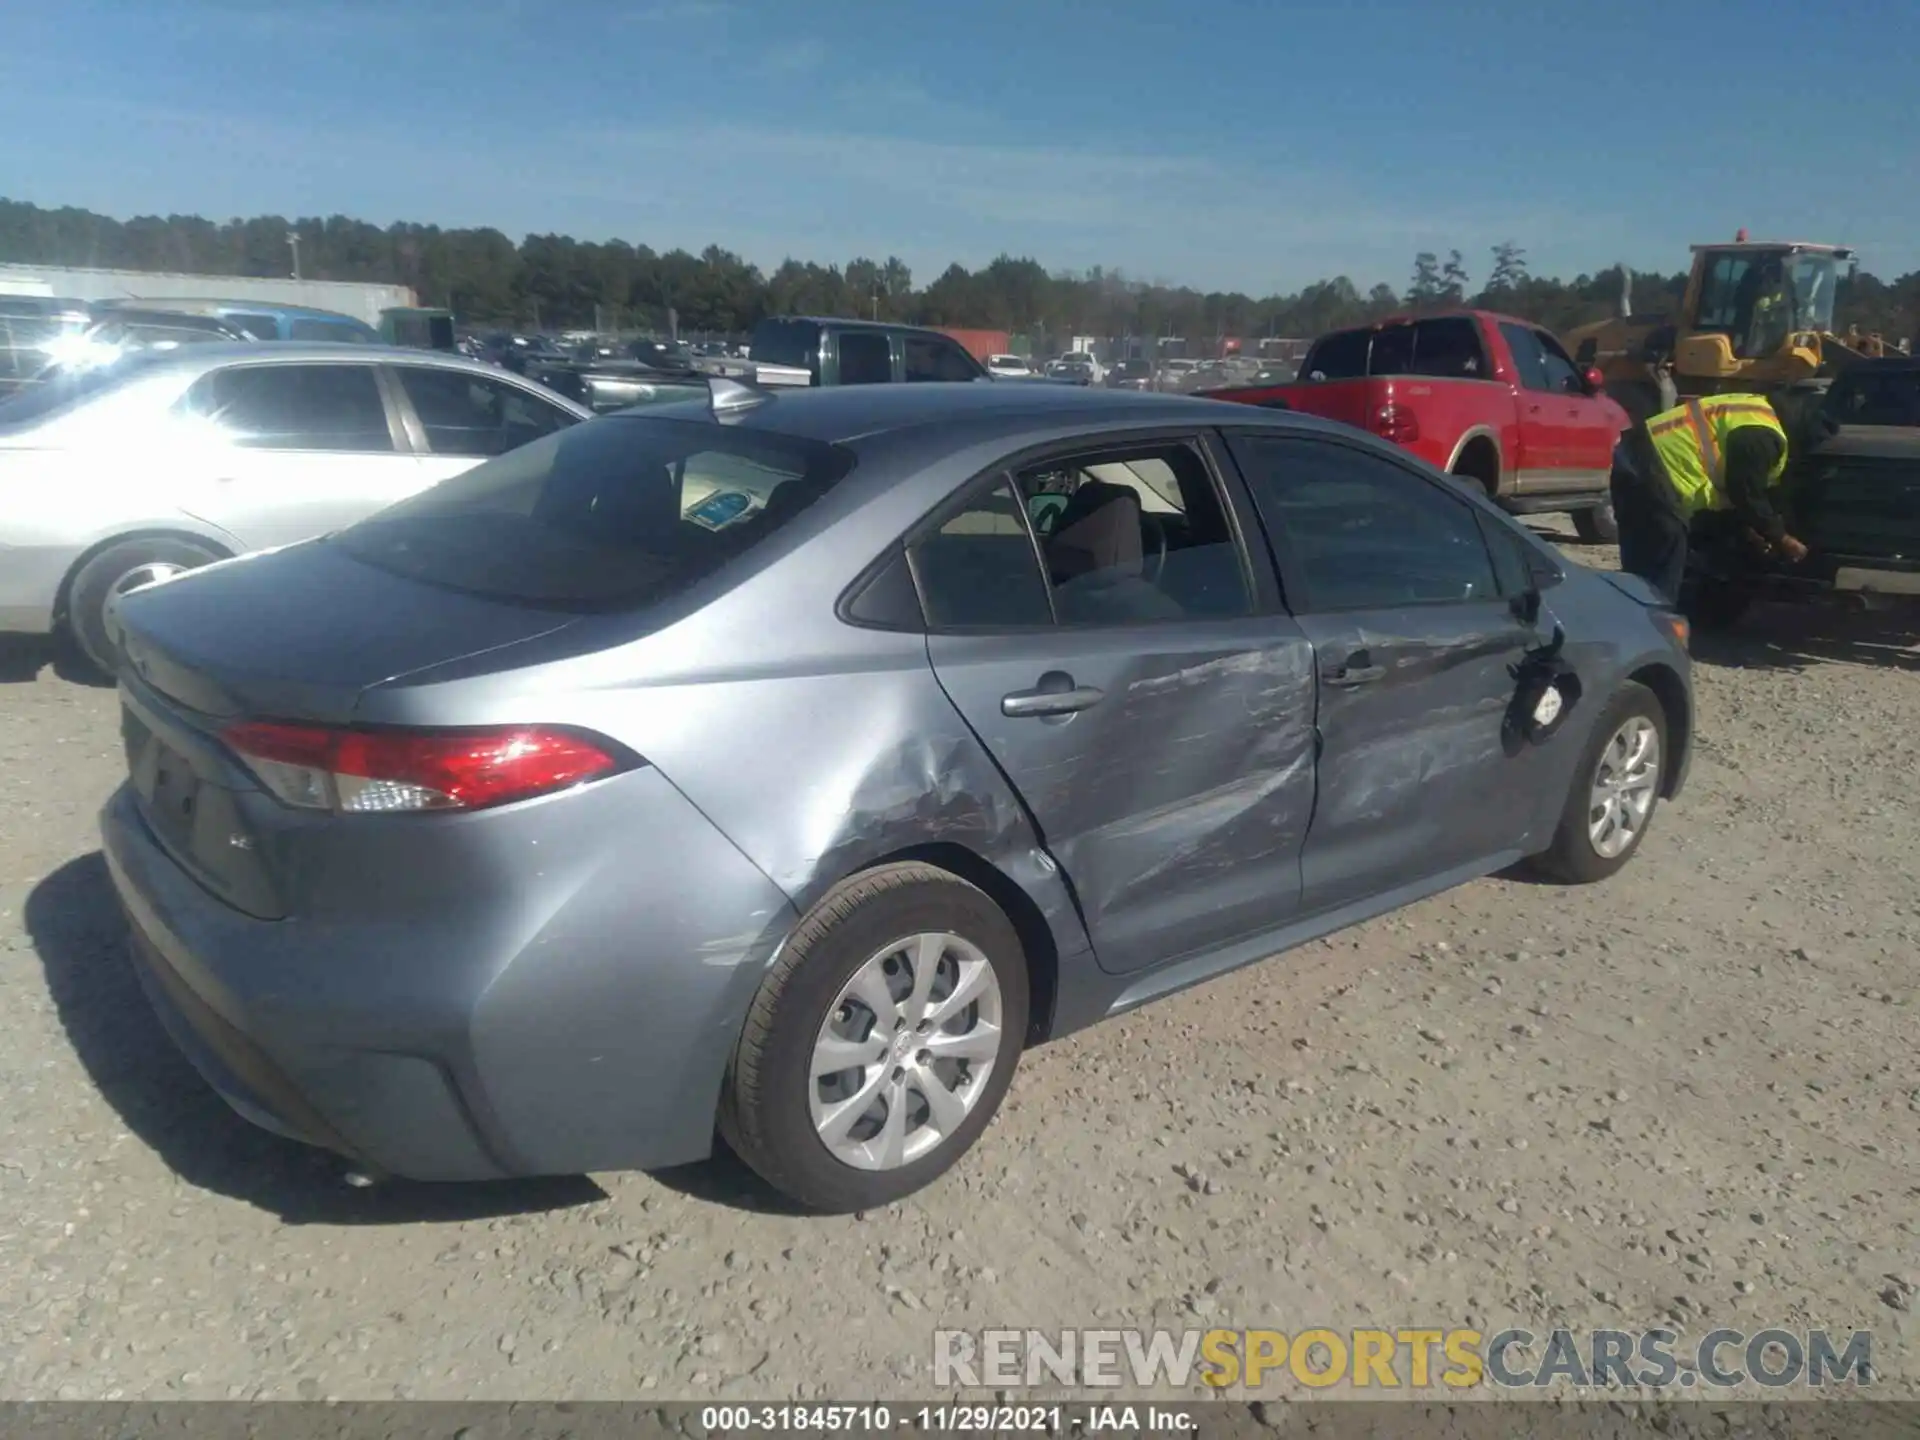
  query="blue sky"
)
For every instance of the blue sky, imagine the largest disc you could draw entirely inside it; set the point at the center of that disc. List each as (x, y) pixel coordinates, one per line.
(1228, 144)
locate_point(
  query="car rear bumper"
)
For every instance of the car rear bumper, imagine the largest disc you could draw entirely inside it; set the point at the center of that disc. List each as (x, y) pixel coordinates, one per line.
(533, 1032)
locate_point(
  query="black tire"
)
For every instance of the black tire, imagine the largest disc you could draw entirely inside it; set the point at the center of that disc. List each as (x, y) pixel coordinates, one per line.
(764, 1109)
(1597, 526)
(1716, 604)
(96, 581)
(1572, 859)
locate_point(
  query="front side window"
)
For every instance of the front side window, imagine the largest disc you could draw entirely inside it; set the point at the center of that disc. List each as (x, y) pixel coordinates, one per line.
(296, 407)
(866, 358)
(1562, 375)
(1528, 358)
(466, 414)
(624, 513)
(929, 358)
(1360, 531)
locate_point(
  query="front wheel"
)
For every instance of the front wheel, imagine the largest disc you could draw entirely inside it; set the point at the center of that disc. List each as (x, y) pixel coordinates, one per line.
(112, 573)
(881, 1044)
(1615, 791)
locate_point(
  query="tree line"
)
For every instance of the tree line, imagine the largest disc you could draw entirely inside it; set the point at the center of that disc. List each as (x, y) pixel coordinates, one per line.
(555, 281)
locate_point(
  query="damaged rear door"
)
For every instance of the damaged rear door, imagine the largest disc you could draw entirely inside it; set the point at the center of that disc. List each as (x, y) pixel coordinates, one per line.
(1415, 643)
(1094, 617)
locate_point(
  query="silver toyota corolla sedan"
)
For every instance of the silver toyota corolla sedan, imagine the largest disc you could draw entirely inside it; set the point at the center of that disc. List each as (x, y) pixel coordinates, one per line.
(161, 461)
(781, 766)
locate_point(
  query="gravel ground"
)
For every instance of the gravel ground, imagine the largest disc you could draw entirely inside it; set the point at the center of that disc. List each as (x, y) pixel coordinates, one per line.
(1690, 1097)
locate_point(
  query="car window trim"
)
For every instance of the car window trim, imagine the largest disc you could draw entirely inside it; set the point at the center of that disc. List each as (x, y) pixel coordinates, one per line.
(1292, 572)
(396, 433)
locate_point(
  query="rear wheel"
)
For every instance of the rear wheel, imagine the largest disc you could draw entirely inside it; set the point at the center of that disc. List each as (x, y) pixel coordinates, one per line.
(881, 1044)
(112, 573)
(1597, 526)
(1615, 791)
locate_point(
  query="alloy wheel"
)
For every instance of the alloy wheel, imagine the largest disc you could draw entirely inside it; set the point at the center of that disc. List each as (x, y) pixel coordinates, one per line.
(905, 1052)
(1625, 783)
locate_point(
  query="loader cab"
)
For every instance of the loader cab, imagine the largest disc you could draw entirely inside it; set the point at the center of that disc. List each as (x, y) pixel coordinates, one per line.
(1760, 309)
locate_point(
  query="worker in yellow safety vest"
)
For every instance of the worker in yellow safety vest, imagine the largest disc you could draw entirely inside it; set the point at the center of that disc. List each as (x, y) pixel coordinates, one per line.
(1717, 453)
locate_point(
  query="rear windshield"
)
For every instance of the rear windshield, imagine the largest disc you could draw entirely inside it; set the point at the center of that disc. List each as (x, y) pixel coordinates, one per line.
(1446, 347)
(619, 513)
(1340, 356)
(787, 342)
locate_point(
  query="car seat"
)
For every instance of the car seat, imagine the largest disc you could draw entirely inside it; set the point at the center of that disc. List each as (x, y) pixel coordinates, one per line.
(1095, 559)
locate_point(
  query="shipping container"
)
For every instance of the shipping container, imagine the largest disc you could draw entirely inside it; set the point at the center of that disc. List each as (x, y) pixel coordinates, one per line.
(981, 343)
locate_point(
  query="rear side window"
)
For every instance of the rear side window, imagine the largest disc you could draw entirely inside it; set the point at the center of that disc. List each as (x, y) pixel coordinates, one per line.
(1340, 356)
(1115, 536)
(475, 415)
(260, 327)
(331, 331)
(930, 358)
(787, 342)
(866, 358)
(978, 570)
(626, 512)
(296, 407)
(1448, 347)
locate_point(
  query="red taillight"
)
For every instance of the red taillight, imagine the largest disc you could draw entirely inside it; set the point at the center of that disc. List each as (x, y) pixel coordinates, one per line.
(321, 767)
(1396, 423)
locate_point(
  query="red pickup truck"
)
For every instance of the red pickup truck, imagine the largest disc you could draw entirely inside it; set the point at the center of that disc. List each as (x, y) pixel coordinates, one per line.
(1488, 398)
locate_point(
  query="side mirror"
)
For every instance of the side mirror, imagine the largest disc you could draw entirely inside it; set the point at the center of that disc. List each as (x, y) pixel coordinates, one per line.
(1594, 380)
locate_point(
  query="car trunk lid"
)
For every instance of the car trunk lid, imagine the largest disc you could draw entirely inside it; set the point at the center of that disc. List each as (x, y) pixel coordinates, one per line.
(307, 646)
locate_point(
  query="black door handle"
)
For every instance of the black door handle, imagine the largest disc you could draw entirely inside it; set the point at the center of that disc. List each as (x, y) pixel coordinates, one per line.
(1356, 669)
(1051, 697)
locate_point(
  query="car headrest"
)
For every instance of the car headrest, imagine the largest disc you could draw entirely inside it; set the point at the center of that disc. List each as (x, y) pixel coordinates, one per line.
(1098, 533)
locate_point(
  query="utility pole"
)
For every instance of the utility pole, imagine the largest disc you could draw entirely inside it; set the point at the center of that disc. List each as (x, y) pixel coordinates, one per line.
(293, 244)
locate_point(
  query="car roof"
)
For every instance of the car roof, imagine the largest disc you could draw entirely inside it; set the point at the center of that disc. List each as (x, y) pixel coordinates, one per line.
(844, 413)
(839, 323)
(208, 356)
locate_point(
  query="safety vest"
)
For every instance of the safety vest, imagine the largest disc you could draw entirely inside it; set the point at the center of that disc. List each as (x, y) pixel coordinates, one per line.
(1691, 441)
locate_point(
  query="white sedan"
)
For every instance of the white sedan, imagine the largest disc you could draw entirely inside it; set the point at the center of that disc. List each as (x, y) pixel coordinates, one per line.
(161, 461)
(1009, 367)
